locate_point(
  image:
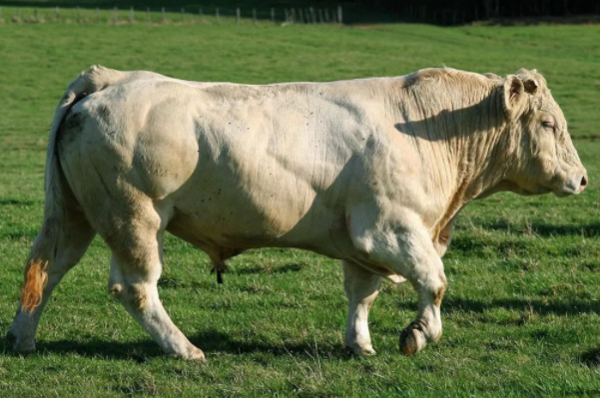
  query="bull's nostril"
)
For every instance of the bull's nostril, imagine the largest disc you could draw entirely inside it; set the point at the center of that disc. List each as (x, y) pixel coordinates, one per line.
(583, 181)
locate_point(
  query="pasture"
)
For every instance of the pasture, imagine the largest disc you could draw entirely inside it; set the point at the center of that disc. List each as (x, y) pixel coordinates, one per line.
(521, 316)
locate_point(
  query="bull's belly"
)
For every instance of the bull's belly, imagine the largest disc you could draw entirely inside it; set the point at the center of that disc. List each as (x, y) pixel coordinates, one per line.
(223, 231)
(226, 239)
(227, 226)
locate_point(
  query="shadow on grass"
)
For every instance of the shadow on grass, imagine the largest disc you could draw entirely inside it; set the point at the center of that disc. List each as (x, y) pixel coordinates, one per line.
(211, 342)
(293, 267)
(591, 358)
(459, 304)
(548, 230)
(18, 236)
(207, 281)
(18, 202)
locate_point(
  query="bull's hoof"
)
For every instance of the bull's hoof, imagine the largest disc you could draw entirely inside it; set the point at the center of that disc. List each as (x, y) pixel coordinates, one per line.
(361, 351)
(197, 355)
(412, 340)
(194, 354)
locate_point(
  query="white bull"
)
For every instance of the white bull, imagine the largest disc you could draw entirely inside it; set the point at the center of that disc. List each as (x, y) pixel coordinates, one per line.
(372, 172)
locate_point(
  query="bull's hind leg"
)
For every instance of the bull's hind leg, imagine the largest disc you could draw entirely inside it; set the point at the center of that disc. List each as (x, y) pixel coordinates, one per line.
(135, 269)
(404, 245)
(362, 288)
(45, 270)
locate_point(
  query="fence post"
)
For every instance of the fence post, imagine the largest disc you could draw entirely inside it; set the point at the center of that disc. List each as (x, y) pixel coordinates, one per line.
(162, 11)
(254, 15)
(78, 16)
(300, 15)
(36, 15)
(116, 15)
(183, 15)
(293, 15)
(131, 15)
(272, 15)
(340, 19)
(57, 12)
(217, 14)
(237, 16)
(97, 15)
(200, 14)
(313, 16)
(321, 16)
(148, 19)
(327, 15)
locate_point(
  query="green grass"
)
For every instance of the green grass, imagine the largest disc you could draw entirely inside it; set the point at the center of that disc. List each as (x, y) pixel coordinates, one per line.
(521, 315)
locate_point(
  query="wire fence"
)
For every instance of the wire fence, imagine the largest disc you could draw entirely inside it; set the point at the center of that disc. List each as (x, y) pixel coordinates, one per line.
(170, 16)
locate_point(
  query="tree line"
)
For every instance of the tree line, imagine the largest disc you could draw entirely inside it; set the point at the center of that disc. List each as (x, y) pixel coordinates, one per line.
(461, 11)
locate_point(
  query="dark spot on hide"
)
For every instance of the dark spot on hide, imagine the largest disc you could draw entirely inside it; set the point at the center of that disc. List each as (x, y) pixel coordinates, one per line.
(70, 129)
(103, 113)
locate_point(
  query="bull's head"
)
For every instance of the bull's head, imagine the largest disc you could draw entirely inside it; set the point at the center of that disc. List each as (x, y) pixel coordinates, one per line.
(546, 160)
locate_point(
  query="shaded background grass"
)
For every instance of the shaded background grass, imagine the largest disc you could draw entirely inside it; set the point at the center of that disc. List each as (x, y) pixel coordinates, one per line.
(521, 314)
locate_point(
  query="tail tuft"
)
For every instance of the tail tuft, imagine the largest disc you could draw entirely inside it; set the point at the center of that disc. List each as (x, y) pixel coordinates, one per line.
(36, 277)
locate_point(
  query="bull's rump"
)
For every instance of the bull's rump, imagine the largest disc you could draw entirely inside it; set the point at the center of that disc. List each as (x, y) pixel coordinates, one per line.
(230, 166)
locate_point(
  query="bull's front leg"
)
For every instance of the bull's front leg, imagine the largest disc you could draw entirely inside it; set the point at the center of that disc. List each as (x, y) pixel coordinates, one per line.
(401, 243)
(362, 288)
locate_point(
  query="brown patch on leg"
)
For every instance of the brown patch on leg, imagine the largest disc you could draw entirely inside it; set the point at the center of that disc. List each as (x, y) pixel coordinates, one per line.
(138, 297)
(438, 296)
(36, 278)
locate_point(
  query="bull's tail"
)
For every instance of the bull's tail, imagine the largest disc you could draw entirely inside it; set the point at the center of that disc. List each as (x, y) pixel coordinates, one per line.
(44, 250)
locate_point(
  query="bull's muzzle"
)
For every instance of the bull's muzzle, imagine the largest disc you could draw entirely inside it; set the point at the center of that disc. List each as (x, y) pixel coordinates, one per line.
(577, 183)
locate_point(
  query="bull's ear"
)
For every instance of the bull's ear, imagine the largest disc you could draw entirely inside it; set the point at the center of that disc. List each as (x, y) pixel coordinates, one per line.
(531, 85)
(529, 79)
(514, 94)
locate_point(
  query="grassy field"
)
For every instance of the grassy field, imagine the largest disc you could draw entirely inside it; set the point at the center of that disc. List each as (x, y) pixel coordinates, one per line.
(522, 311)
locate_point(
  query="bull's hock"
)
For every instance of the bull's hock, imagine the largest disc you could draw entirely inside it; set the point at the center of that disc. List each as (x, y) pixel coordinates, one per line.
(371, 171)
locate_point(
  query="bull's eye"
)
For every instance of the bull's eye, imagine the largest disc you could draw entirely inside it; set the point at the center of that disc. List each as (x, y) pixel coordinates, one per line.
(548, 126)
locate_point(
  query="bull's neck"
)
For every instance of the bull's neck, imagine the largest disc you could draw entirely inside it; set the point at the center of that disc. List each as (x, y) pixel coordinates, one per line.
(470, 145)
(479, 159)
